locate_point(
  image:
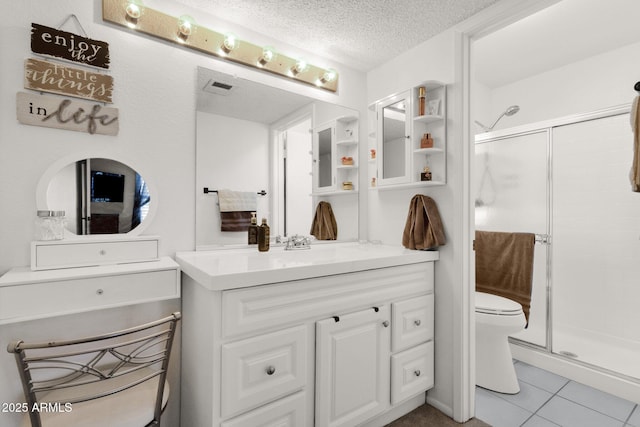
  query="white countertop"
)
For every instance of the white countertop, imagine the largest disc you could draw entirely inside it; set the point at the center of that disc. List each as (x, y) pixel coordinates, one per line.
(238, 268)
(24, 275)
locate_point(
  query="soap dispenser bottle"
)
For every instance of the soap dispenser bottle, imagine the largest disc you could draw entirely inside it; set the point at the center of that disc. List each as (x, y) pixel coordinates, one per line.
(263, 236)
(253, 230)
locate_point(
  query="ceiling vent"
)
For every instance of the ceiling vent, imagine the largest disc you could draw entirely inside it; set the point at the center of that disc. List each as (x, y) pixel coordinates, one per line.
(218, 88)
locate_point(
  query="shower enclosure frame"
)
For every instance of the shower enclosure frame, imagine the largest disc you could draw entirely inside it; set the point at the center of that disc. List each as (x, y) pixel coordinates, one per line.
(544, 356)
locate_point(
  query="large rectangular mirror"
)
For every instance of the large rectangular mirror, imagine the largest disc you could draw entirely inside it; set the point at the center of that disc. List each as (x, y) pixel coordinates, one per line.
(255, 138)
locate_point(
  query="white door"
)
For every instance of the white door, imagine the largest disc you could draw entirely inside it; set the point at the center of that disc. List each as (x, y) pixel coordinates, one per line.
(352, 367)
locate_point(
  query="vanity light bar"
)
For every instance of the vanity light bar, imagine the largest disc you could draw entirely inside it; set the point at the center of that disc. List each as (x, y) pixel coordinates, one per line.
(184, 31)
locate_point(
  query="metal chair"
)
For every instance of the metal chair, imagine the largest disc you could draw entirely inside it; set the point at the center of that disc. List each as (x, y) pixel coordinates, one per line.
(114, 379)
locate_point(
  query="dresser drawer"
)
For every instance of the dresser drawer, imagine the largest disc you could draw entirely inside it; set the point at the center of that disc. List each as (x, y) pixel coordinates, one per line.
(57, 297)
(412, 322)
(63, 253)
(411, 372)
(258, 370)
(253, 309)
(285, 412)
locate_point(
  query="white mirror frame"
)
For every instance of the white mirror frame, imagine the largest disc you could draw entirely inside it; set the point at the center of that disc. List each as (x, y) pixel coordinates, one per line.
(43, 186)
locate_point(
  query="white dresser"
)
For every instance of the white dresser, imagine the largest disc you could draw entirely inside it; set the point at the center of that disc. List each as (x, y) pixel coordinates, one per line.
(339, 335)
(26, 294)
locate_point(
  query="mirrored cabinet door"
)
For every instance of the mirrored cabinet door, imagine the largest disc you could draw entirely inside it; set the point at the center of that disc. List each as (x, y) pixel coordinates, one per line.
(323, 152)
(394, 139)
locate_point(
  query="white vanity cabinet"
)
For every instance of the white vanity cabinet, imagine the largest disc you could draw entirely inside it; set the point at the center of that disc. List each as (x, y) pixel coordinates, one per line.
(352, 367)
(27, 295)
(302, 342)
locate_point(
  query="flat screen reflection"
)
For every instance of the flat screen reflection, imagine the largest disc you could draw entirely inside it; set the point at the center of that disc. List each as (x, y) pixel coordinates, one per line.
(99, 196)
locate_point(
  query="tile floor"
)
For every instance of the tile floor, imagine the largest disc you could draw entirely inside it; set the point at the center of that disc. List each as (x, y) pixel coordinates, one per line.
(549, 400)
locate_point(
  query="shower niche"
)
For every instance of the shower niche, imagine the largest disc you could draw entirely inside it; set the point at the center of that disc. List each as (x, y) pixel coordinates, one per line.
(410, 138)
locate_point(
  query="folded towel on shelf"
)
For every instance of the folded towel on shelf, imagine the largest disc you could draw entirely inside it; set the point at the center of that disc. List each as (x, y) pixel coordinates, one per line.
(423, 229)
(324, 225)
(635, 127)
(235, 209)
(504, 265)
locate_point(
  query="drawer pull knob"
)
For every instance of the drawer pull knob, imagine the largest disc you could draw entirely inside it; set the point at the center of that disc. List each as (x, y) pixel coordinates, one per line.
(385, 323)
(417, 372)
(417, 322)
(271, 370)
(99, 292)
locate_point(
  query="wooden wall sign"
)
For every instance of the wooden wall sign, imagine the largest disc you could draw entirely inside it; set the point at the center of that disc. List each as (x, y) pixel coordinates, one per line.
(69, 46)
(55, 78)
(65, 113)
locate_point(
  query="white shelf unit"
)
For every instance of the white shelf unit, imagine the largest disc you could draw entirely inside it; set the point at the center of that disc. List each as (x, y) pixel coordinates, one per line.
(346, 137)
(434, 122)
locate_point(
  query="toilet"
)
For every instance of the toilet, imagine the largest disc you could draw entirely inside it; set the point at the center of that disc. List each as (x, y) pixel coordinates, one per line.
(496, 318)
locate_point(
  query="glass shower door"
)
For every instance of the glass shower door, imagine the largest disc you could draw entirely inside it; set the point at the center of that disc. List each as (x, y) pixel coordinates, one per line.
(512, 195)
(596, 245)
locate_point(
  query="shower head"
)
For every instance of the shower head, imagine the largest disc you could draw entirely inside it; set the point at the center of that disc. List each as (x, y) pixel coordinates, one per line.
(512, 110)
(508, 112)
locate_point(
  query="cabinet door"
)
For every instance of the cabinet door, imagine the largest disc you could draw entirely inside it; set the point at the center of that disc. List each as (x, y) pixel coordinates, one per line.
(394, 140)
(352, 367)
(323, 158)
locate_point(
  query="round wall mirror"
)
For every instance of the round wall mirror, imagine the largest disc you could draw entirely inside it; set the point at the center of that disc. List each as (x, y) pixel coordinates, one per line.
(98, 195)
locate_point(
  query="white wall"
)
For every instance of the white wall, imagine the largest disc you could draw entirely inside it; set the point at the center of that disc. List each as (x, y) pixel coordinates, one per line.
(598, 82)
(432, 60)
(233, 154)
(154, 91)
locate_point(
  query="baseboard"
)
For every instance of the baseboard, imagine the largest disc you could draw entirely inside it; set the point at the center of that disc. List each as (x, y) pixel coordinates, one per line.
(448, 411)
(396, 412)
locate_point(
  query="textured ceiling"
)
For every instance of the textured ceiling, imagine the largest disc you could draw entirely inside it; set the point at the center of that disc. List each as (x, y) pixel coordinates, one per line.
(361, 34)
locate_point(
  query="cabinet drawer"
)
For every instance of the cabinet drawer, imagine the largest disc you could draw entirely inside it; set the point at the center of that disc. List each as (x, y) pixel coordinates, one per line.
(286, 412)
(260, 369)
(253, 309)
(411, 372)
(61, 254)
(29, 301)
(412, 322)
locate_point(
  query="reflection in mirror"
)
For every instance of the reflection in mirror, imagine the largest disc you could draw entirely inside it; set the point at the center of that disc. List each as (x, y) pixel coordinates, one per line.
(325, 177)
(99, 196)
(394, 140)
(252, 137)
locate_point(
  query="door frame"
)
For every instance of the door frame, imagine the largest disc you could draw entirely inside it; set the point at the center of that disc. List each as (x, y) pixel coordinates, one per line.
(485, 22)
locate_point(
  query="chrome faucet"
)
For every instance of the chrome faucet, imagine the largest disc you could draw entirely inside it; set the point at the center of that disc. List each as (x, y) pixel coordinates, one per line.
(298, 242)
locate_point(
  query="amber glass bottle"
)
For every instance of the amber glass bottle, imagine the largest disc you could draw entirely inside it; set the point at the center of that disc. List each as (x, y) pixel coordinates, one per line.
(263, 236)
(252, 238)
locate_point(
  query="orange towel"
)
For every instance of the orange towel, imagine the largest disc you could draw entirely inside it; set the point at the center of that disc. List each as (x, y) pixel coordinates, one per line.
(324, 225)
(504, 265)
(423, 229)
(635, 127)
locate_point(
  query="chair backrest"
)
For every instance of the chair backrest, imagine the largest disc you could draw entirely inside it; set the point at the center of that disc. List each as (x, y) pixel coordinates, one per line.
(95, 367)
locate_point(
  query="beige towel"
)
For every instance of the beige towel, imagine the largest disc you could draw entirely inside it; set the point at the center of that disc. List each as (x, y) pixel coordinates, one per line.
(635, 127)
(504, 265)
(235, 209)
(423, 229)
(324, 225)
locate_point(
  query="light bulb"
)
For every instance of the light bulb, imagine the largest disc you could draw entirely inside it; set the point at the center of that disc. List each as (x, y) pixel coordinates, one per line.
(229, 43)
(185, 27)
(268, 53)
(133, 11)
(329, 76)
(300, 67)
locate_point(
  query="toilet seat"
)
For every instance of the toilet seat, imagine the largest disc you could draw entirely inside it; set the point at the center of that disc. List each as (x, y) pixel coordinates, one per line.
(496, 305)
